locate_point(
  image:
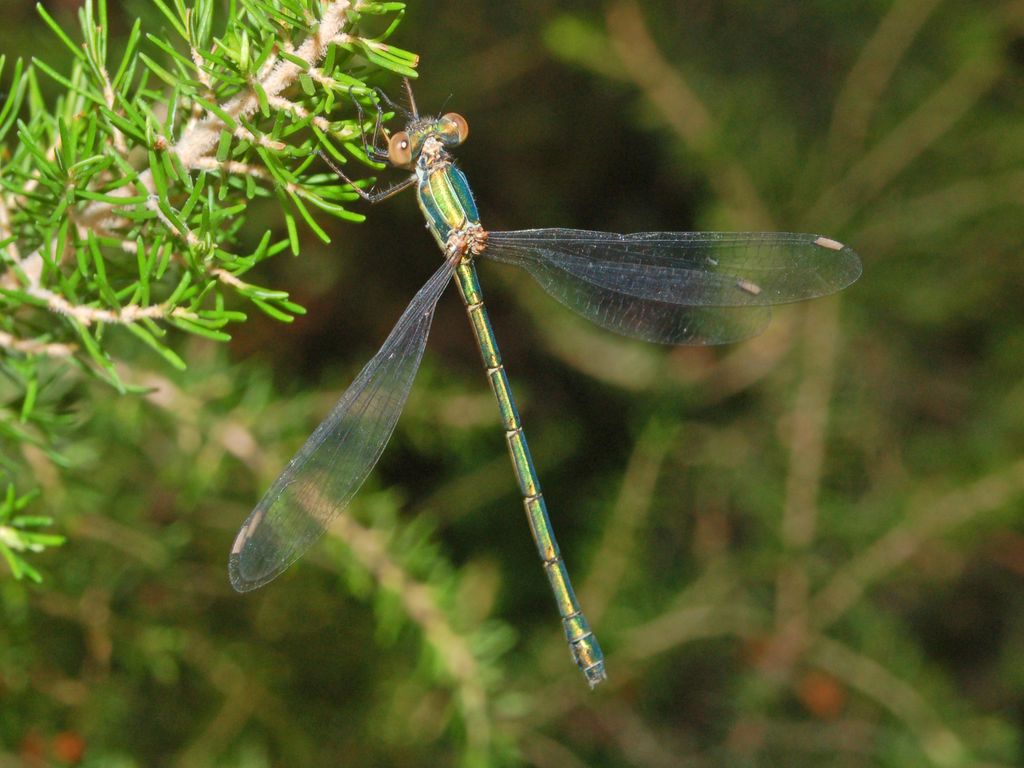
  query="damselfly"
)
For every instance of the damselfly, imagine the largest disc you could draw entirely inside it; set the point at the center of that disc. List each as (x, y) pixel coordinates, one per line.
(668, 287)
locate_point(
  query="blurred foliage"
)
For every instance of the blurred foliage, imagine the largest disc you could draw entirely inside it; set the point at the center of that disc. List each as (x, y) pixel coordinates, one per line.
(804, 550)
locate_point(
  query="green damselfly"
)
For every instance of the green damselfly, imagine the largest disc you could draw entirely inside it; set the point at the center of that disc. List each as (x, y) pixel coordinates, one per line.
(667, 287)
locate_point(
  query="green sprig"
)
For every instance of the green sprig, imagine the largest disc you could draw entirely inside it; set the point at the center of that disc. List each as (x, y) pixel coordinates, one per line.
(123, 201)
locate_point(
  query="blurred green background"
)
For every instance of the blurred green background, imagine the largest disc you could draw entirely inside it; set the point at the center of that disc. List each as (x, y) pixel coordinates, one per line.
(805, 550)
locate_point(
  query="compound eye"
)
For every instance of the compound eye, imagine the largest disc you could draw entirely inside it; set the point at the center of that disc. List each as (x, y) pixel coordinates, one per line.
(461, 126)
(400, 150)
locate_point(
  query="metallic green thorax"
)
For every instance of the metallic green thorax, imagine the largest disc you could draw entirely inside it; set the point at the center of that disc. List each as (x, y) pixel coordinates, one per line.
(447, 203)
(445, 198)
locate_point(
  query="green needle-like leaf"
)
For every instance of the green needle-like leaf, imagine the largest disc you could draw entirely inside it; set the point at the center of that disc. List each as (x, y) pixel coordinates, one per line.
(126, 188)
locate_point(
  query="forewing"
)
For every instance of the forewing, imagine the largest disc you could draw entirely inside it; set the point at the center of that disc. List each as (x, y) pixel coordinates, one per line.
(678, 287)
(327, 471)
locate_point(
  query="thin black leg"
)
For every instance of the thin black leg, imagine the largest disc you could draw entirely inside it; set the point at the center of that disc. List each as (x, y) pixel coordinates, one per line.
(371, 149)
(370, 197)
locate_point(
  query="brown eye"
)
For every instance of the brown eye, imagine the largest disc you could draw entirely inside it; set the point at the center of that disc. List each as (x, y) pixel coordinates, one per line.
(461, 126)
(400, 150)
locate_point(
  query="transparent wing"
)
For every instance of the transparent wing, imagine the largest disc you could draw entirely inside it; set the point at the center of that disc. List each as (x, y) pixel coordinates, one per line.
(678, 287)
(328, 470)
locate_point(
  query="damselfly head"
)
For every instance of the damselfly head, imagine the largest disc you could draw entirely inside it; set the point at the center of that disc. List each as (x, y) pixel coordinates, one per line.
(405, 146)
